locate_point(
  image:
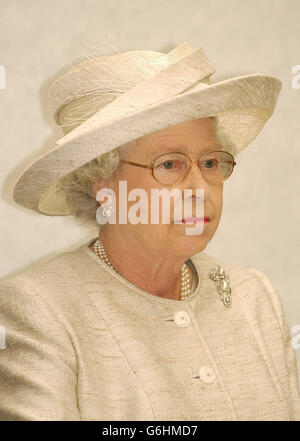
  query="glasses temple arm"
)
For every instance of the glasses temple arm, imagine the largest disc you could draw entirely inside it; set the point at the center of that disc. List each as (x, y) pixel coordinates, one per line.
(134, 163)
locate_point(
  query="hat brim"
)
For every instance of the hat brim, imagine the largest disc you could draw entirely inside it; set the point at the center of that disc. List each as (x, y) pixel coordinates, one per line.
(241, 104)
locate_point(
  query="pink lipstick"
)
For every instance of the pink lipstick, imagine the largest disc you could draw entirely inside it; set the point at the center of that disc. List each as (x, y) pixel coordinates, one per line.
(193, 220)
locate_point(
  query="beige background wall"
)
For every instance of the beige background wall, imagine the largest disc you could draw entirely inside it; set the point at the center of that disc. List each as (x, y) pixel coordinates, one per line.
(260, 223)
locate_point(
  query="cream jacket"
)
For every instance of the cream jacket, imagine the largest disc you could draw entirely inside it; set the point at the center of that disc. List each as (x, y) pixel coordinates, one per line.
(83, 343)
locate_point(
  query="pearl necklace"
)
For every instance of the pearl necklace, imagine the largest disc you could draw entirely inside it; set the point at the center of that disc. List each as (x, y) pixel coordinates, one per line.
(186, 288)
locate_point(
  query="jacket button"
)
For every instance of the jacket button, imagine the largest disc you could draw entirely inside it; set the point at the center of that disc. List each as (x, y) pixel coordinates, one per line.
(182, 319)
(207, 374)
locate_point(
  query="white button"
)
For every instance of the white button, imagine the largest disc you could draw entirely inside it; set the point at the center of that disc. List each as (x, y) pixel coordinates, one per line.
(207, 374)
(182, 319)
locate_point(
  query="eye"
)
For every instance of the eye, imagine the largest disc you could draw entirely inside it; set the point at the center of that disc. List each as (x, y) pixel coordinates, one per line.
(210, 163)
(170, 164)
(167, 164)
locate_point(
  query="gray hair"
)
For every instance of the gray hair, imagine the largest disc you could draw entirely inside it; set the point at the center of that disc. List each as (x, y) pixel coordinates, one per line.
(78, 185)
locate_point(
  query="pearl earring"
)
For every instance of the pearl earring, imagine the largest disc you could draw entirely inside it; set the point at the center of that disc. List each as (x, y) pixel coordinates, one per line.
(103, 214)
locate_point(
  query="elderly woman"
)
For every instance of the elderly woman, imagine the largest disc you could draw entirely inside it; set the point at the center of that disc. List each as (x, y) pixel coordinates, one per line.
(139, 323)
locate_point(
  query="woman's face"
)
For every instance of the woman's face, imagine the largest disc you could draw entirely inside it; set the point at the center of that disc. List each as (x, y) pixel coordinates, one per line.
(192, 138)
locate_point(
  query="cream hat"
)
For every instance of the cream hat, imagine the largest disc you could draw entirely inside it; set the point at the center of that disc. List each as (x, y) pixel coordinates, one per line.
(107, 101)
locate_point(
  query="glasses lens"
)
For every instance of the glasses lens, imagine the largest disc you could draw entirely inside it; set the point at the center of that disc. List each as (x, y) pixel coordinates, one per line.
(170, 168)
(216, 166)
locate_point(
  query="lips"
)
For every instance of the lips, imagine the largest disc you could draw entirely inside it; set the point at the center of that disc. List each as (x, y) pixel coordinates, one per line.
(193, 220)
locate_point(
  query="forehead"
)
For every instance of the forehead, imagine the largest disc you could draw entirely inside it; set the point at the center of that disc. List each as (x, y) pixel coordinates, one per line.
(192, 137)
(181, 142)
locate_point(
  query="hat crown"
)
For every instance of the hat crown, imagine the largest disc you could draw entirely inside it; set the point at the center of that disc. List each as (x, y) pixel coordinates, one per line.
(93, 84)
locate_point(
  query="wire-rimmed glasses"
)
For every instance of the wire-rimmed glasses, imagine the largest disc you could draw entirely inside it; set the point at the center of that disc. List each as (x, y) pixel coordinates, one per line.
(171, 168)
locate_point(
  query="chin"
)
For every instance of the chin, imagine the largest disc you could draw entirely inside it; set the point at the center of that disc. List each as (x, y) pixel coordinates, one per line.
(194, 242)
(182, 229)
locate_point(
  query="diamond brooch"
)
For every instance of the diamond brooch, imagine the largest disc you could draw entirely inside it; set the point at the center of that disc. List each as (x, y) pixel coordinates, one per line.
(222, 282)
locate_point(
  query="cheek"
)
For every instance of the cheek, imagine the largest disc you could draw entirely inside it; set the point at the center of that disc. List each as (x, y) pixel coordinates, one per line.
(138, 179)
(217, 199)
(220, 204)
(142, 181)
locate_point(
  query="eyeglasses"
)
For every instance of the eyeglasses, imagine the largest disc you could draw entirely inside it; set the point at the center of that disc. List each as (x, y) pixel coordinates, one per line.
(171, 168)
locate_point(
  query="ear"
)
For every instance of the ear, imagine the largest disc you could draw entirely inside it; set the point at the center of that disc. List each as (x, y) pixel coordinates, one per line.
(98, 184)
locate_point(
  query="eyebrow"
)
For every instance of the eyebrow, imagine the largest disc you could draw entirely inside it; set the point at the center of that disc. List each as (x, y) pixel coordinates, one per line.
(168, 149)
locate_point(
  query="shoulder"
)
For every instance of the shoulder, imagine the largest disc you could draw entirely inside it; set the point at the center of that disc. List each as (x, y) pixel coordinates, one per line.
(257, 294)
(53, 282)
(39, 351)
